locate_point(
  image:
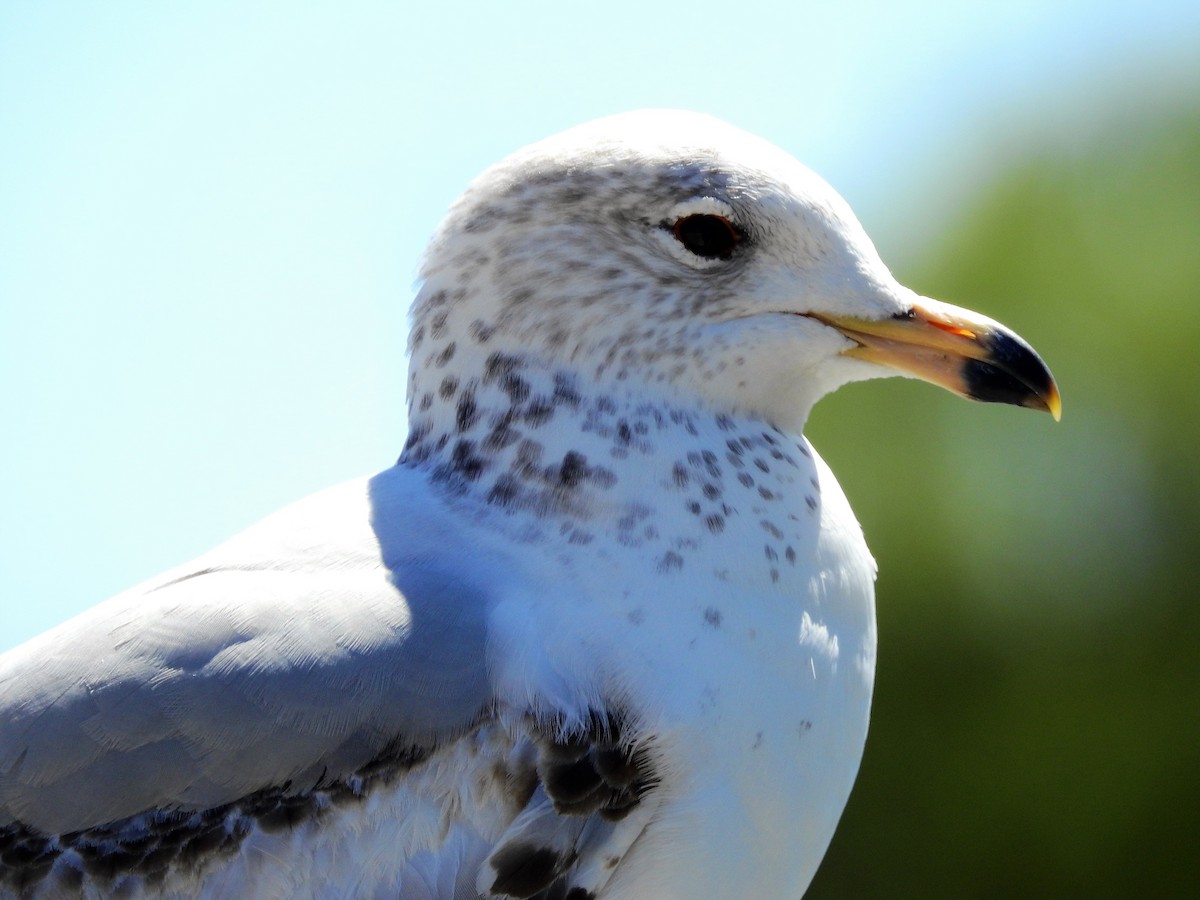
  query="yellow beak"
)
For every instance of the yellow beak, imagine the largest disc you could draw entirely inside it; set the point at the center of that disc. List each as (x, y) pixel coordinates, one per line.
(962, 351)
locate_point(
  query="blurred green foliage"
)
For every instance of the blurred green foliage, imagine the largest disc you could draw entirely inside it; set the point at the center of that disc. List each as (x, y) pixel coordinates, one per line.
(1036, 729)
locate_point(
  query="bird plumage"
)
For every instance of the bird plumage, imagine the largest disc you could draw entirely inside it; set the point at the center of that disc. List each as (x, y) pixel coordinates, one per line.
(606, 629)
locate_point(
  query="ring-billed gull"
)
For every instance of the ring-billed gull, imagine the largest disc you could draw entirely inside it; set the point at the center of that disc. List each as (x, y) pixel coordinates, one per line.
(606, 630)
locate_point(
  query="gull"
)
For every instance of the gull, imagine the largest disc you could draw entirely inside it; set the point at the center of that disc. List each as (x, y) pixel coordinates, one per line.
(606, 630)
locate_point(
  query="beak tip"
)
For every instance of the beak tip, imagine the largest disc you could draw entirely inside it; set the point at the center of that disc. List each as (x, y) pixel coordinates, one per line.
(1054, 402)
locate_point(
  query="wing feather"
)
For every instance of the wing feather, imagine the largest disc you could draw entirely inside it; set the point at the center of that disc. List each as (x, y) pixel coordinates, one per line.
(331, 632)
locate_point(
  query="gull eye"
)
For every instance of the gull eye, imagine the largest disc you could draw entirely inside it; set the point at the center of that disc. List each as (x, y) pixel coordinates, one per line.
(706, 235)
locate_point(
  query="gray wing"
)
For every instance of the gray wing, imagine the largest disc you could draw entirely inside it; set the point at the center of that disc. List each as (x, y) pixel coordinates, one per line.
(346, 626)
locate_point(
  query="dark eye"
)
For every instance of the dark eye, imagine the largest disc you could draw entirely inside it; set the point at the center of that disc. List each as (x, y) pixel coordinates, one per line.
(708, 236)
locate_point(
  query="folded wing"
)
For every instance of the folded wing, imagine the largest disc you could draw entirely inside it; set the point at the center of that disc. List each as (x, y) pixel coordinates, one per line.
(347, 627)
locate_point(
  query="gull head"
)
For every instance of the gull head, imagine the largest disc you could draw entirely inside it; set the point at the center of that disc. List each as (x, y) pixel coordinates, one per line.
(668, 252)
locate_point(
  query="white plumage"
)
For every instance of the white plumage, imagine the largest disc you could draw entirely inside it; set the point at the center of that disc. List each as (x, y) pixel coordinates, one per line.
(606, 630)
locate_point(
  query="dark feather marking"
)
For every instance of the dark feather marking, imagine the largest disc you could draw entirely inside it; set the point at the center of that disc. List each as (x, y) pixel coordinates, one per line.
(566, 392)
(585, 769)
(538, 411)
(572, 782)
(572, 470)
(446, 355)
(594, 771)
(523, 869)
(616, 767)
(150, 844)
(467, 412)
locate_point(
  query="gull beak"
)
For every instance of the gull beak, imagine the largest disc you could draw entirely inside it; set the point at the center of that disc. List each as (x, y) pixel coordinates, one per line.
(962, 351)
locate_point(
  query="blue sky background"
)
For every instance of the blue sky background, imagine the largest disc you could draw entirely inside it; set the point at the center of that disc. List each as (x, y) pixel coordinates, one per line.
(211, 214)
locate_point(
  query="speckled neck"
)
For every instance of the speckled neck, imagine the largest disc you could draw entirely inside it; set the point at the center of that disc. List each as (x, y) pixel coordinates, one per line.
(519, 437)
